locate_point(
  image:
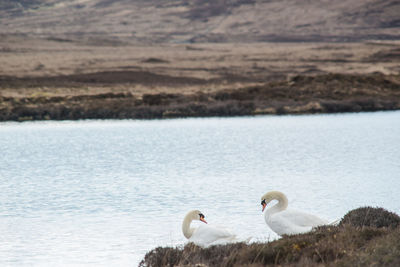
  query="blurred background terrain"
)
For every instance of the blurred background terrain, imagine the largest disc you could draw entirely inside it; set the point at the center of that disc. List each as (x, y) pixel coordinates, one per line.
(152, 59)
(180, 21)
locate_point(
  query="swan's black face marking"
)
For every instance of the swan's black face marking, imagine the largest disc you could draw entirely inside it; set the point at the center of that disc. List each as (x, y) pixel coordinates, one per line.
(263, 204)
(202, 217)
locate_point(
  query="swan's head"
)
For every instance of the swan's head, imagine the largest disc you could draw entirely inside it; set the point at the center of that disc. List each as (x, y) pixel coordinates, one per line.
(202, 218)
(263, 204)
(268, 197)
(197, 215)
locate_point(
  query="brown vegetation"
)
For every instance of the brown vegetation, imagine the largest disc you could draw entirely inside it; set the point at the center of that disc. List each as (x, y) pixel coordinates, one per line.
(320, 94)
(344, 245)
(43, 79)
(369, 216)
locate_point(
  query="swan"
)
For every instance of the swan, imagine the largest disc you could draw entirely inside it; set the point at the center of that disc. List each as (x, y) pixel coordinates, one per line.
(205, 235)
(286, 221)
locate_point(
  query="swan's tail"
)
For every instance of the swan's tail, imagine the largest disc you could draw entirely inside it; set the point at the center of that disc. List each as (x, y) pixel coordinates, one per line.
(230, 240)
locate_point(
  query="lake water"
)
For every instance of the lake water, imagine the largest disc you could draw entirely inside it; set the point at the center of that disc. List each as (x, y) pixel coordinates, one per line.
(105, 192)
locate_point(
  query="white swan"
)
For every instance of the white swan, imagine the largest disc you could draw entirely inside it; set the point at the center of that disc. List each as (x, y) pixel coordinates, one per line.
(285, 221)
(205, 235)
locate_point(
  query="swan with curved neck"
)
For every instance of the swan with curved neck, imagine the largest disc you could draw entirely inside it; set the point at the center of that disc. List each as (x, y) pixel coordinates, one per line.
(285, 221)
(192, 215)
(205, 235)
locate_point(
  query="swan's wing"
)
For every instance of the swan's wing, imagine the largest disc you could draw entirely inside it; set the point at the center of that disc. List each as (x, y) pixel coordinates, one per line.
(284, 225)
(290, 222)
(206, 234)
(301, 218)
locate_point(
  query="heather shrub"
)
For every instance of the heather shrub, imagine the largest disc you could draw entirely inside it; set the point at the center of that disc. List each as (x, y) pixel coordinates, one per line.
(369, 216)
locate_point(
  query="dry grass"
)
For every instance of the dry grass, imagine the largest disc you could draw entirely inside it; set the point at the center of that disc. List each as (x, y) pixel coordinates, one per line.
(302, 94)
(55, 79)
(373, 217)
(228, 63)
(344, 245)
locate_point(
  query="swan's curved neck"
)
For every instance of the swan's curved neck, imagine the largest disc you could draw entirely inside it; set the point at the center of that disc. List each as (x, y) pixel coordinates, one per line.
(282, 202)
(187, 231)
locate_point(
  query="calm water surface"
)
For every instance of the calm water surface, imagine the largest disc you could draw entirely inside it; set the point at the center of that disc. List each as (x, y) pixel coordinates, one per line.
(105, 192)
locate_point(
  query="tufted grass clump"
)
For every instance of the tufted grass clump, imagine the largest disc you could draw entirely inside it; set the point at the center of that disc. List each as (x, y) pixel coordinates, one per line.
(369, 216)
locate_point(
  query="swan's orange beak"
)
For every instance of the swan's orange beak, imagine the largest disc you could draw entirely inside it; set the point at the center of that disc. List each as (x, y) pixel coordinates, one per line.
(202, 219)
(263, 206)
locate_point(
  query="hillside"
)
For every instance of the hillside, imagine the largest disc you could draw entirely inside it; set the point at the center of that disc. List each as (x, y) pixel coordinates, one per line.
(185, 21)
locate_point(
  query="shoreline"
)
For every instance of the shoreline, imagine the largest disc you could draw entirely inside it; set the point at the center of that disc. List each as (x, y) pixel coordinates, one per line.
(324, 93)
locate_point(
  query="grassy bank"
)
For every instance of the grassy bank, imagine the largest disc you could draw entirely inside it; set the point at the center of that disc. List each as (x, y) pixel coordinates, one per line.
(364, 237)
(326, 93)
(55, 79)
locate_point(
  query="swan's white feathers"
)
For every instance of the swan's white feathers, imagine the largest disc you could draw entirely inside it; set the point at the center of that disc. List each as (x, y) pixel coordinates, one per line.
(207, 235)
(293, 222)
(287, 221)
(301, 218)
